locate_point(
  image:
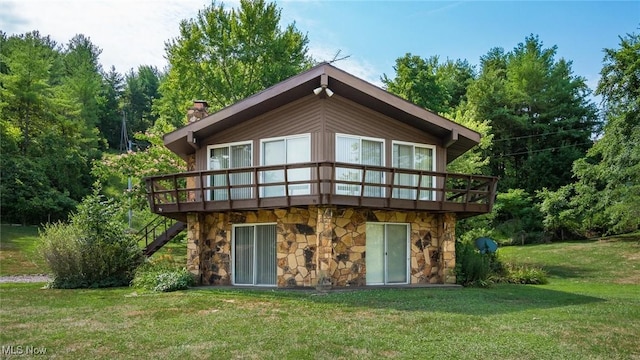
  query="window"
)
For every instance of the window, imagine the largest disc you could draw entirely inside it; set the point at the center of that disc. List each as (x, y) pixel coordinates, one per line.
(415, 157)
(387, 249)
(254, 255)
(230, 156)
(287, 150)
(361, 151)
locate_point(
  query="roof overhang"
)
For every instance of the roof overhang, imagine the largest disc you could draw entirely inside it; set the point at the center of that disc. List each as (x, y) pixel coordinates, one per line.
(456, 138)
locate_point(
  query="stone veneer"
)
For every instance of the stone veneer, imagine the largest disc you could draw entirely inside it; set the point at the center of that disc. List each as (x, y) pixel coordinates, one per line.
(322, 240)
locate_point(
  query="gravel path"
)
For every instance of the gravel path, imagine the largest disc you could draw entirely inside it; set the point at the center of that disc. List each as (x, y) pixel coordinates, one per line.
(24, 278)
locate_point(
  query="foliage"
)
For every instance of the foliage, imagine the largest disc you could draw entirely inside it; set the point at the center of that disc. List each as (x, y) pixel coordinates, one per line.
(141, 89)
(608, 187)
(47, 124)
(474, 161)
(559, 217)
(472, 267)
(110, 116)
(93, 249)
(155, 159)
(514, 219)
(439, 87)
(238, 51)
(162, 275)
(517, 217)
(540, 115)
(523, 274)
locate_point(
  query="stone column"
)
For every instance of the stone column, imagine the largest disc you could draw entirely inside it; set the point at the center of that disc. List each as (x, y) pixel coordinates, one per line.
(324, 230)
(448, 249)
(195, 238)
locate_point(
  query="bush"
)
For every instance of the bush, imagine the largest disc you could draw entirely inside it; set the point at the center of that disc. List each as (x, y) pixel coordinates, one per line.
(93, 249)
(162, 275)
(524, 274)
(472, 268)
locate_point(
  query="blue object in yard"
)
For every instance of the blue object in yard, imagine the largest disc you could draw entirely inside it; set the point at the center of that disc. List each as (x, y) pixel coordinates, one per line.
(486, 245)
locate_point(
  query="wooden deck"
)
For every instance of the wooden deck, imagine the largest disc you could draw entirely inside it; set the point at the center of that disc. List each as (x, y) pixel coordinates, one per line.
(319, 183)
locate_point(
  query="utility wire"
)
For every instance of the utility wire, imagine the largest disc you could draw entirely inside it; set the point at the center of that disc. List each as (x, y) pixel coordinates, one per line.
(541, 150)
(531, 136)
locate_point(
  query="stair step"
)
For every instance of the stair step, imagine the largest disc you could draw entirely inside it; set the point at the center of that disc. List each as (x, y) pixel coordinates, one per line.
(163, 238)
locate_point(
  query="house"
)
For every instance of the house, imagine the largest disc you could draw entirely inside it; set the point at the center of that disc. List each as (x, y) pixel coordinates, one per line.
(322, 176)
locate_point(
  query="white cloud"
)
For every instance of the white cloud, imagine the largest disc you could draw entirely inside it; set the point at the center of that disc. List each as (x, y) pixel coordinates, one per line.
(130, 33)
(133, 33)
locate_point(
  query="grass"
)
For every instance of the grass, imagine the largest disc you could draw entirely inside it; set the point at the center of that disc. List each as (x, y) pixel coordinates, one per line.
(610, 260)
(588, 311)
(18, 251)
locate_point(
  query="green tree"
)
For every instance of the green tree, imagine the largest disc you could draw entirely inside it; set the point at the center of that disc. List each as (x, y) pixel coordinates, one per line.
(47, 142)
(83, 79)
(110, 112)
(439, 87)
(155, 159)
(141, 89)
(225, 55)
(608, 186)
(540, 115)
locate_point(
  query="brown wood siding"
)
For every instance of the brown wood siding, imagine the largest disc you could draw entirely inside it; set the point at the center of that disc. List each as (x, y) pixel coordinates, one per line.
(299, 117)
(347, 117)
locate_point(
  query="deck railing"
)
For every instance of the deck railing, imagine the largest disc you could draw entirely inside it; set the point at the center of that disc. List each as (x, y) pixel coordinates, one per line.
(320, 183)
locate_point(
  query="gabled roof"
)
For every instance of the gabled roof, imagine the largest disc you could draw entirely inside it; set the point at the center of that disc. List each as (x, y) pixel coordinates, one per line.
(455, 137)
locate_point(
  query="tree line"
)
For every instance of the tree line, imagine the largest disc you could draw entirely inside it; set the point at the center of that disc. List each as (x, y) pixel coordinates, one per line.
(566, 164)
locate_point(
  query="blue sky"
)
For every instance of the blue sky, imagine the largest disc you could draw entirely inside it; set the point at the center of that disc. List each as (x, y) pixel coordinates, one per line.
(373, 33)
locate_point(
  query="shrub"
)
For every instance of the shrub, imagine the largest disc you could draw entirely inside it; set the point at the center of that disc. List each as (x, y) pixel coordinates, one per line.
(524, 274)
(472, 268)
(162, 275)
(93, 249)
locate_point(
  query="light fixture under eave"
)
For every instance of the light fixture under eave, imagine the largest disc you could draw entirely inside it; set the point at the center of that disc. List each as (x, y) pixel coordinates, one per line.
(318, 90)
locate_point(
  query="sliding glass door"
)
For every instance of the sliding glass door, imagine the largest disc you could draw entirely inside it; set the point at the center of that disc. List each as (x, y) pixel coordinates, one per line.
(254, 259)
(387, 253)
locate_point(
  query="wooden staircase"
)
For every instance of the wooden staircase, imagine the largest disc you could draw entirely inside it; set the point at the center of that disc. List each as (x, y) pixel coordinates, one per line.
(158, 232)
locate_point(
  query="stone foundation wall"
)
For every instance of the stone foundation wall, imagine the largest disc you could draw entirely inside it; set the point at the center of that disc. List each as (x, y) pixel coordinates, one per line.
(323, 241)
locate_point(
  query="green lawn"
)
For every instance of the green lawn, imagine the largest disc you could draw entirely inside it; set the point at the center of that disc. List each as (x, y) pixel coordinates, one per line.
(18, 251)
(589, 310)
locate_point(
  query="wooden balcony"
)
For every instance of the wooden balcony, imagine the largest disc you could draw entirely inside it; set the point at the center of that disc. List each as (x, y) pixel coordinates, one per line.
(319, 183)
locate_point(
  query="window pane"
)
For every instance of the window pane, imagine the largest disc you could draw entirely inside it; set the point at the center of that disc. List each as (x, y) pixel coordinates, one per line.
(244, 255)
(219, 159)
(396, 237)
(273, 152)
(241, 157)
(348, 151)
(299, 151)
(403, 159)
(372, 155)
(266, 255)
(375, 253)
(424, 161)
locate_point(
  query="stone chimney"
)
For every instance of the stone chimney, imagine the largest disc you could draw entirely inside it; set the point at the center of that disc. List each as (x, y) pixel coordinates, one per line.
(198, 111)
